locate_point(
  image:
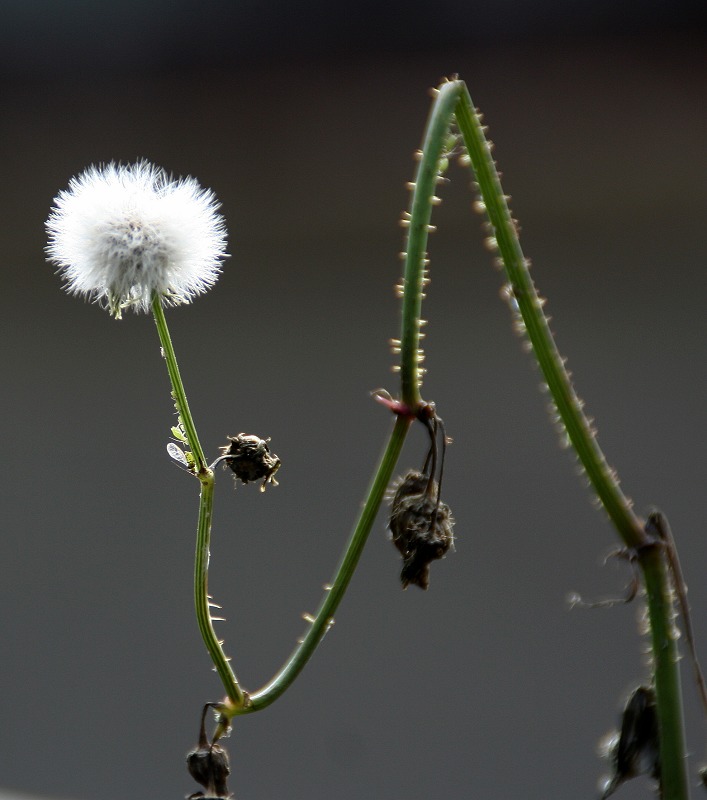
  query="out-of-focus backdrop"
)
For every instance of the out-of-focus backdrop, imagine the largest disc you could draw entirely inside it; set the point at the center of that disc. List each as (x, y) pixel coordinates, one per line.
(303, 118)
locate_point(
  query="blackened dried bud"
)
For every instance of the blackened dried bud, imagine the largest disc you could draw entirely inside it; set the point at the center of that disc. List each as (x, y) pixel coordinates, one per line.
(702, 772)
(421, 527)
(208, 762)
(637, 749)
(411, 483)
(250, 459)
(208, 765)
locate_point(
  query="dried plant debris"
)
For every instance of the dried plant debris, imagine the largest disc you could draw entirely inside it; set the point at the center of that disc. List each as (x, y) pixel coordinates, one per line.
(250, 459)
(420, 526)
(635, 750)
(703, 777)
(208, 765)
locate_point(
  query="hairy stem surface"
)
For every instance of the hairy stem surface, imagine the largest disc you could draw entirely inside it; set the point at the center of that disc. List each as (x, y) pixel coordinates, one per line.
(206, 502)
(528, 309)
(325, 615)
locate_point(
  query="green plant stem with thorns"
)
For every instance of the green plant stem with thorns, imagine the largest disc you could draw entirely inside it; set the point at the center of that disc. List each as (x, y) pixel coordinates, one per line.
(206, 503)
(453, 104)
(239, 701)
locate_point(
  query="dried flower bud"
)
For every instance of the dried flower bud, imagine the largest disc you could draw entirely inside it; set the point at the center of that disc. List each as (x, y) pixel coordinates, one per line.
(250, 459)
(702, 772)
(636, 751)
(208, 764)
(420, 526)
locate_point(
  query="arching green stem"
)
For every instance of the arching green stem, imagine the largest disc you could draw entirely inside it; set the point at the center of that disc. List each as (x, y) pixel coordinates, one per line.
(418, 224)
(325, 615)
(240, 702)
(527, 304)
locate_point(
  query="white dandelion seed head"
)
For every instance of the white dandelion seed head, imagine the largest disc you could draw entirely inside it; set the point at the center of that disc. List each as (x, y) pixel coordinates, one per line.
(121, 234)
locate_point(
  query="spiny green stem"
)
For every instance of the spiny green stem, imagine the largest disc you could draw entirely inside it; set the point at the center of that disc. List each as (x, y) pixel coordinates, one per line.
(325, 615)
(239, 701)
(522, 291)
(180, 396)
(201, 593)
(581, 435)
(666, 675)
(206, 502)
(426, 178)
(420, 212)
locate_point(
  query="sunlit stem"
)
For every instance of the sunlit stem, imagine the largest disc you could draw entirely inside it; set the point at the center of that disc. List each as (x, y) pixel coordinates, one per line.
(421, 203)
(206, 501)
(180, 396)
(581, 435)
(324, 617)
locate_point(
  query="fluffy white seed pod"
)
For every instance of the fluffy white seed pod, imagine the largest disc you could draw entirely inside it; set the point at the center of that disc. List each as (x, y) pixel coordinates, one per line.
(121, 234)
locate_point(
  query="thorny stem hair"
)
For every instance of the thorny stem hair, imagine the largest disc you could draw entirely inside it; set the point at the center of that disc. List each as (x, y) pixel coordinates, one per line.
(528, 307)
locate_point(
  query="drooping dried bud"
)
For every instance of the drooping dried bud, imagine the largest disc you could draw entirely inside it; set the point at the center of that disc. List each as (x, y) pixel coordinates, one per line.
(636, 751)
(411, 483)
(421, 527)
(250, 459)
(208, 765)
(702, 772)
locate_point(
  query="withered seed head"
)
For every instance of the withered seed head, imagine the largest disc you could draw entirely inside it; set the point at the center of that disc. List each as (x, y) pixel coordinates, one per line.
(411, 483)
(703, 776)
(208, 765)
(250, 459)
(637, 749)
(421, 527)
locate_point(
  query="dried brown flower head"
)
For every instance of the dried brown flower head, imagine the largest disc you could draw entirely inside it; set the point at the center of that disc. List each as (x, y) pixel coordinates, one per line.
(208, 764)
(636, 750)
(421, 527)
(250, 459)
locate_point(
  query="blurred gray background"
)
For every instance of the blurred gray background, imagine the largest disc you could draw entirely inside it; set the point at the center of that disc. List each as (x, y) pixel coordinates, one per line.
(303, 118)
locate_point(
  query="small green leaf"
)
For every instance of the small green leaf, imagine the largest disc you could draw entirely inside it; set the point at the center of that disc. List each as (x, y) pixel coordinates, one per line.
(179, 435)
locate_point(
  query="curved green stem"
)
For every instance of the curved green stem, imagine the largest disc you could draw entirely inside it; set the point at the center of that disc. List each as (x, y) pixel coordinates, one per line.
(201, 594)
(239, 701)
(528, 307)
(325, 615)
(206, 502)
(525, 301)
(418, 224)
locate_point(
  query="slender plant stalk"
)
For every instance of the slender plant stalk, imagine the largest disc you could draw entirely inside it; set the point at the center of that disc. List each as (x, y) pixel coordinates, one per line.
(418, 224)
(206, 502)
(666, 674)
(180, 396)
(240, 702)
(673, 762)
(325, 615)
(526, 302)
(522, 291)
(214, 645)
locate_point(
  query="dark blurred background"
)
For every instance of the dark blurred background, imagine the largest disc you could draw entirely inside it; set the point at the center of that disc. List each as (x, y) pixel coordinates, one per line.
(303, 118)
